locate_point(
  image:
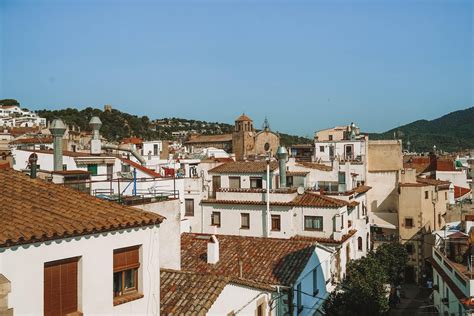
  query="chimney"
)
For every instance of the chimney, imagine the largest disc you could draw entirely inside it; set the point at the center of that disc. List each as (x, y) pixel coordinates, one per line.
(96, 146)
(451, 199)
(282, 156)
(213, 250)
(57, 129)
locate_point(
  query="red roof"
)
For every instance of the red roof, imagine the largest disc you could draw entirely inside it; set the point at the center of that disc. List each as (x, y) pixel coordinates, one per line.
(141, 168)
(460, 192)
(132, 140)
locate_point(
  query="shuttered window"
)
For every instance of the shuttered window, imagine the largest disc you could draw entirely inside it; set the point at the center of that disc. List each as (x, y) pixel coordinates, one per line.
(126, 264)
(60, 287)
(189, 207)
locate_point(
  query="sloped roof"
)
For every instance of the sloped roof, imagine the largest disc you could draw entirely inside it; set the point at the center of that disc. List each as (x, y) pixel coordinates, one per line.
(265, 261)
(32, 140)
(184, 292)
(141, 168)
(243, 117)
(33, 210)
(210, 139)
(310, 199)
(244, 167)
(314, 165)
(460, 192)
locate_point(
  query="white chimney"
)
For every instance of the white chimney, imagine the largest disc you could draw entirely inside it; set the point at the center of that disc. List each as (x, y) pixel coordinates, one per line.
(451, 199)
(213, 250)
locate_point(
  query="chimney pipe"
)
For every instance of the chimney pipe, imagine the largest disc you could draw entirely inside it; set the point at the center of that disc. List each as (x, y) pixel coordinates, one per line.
(96, 146)
(57, 129)
(282, 156)
(213, 250)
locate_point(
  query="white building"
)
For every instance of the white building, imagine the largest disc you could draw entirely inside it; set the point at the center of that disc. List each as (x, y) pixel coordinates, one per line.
(64, 252)
(14, 116)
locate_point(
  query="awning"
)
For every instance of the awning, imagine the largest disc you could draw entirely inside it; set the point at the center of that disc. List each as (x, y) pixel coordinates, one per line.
(384, 220)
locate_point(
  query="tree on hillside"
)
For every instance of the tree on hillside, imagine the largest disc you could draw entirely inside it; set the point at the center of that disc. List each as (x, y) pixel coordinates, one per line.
(393, 257)
(9, 102)
(362, 291)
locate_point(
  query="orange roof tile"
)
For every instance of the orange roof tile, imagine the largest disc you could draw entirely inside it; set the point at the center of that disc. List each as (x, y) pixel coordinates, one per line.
(325, 240)
(265, 261)
(244, 167)
(460, 192)
(185, 292)
(33, 210)
(243, 117)
(314, 165)
(141, 168)
(210, 139)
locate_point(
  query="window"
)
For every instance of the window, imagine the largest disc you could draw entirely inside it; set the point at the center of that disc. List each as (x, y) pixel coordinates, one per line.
(289, 181)
(359, 243)
(409, 248)
(445, 195)
(426, 194)
(125, 168)
(298, 298)
(60, 287)
(260, 310)
(439, 219)
(313, 223)
(342, 221)
(92, 168)
(315, 282)
(155, 150)
(189, 207)
(126, 264)
(64, 167)
(234, 182)
(330, 137)
(321, 149)
(256, 183)
(408, 222)
(216, 219)
(110, 171)
(341, 177)
(216, 185)
(276, 224)
(245, 220)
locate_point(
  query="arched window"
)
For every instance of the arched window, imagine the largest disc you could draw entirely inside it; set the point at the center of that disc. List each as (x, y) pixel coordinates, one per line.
(359, 243)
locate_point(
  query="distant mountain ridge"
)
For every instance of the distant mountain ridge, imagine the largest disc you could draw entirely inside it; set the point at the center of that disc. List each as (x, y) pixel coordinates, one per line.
(451, 132)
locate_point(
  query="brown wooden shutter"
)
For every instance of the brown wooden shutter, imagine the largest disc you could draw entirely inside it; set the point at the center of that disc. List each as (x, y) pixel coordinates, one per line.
(60, 287)
(126, 258)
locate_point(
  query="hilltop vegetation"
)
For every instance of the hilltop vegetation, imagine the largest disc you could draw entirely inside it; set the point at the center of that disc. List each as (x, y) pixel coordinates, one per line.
(451, 132)
(118, 125)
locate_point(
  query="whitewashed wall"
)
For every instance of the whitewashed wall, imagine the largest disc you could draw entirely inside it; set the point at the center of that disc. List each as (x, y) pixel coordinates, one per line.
(24, 267)
(241, 300)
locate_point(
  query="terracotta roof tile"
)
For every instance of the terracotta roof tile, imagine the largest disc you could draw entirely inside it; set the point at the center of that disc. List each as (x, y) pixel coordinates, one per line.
(243, 117)
(244, 167)
(32, 140)
(430, 181)
(265, 261)
(33, 210)
(325, 240)
(297, 173)
(310, 199)
(314, 165)
(141, 168)
(460, 192)
(184, 292)
(209, 139)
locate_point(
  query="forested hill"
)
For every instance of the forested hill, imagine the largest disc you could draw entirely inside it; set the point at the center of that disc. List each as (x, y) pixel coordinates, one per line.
(451, 132)
(117, 125)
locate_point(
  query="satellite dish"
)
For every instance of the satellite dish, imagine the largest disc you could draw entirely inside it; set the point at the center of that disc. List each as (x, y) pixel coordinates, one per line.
(300, 190)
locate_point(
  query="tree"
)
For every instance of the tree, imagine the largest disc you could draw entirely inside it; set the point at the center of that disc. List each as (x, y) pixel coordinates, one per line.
(393, 258)
(362, 291)
(9, 102)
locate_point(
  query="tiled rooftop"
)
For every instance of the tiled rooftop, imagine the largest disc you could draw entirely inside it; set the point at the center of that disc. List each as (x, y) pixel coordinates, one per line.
(186, 293)
(265, 261)
(209, 139)
(325, 240)
(33, 210)
(245, 167)
(314, 165)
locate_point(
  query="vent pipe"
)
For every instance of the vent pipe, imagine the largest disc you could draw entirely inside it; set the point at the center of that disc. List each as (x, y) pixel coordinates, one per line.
(57, 129)
(96, 146)
(282, 156)
(213, 250)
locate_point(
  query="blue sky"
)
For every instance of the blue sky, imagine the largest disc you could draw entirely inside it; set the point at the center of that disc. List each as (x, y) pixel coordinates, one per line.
(306, 65)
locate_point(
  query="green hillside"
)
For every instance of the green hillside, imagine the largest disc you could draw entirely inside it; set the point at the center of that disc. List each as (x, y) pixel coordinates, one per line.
(118, 125)
(451, 132)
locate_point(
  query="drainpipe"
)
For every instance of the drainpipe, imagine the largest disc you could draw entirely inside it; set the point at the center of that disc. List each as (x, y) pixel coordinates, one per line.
(57, 129)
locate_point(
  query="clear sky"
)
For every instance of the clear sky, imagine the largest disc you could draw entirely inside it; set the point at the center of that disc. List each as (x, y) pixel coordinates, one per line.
(306, 65)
